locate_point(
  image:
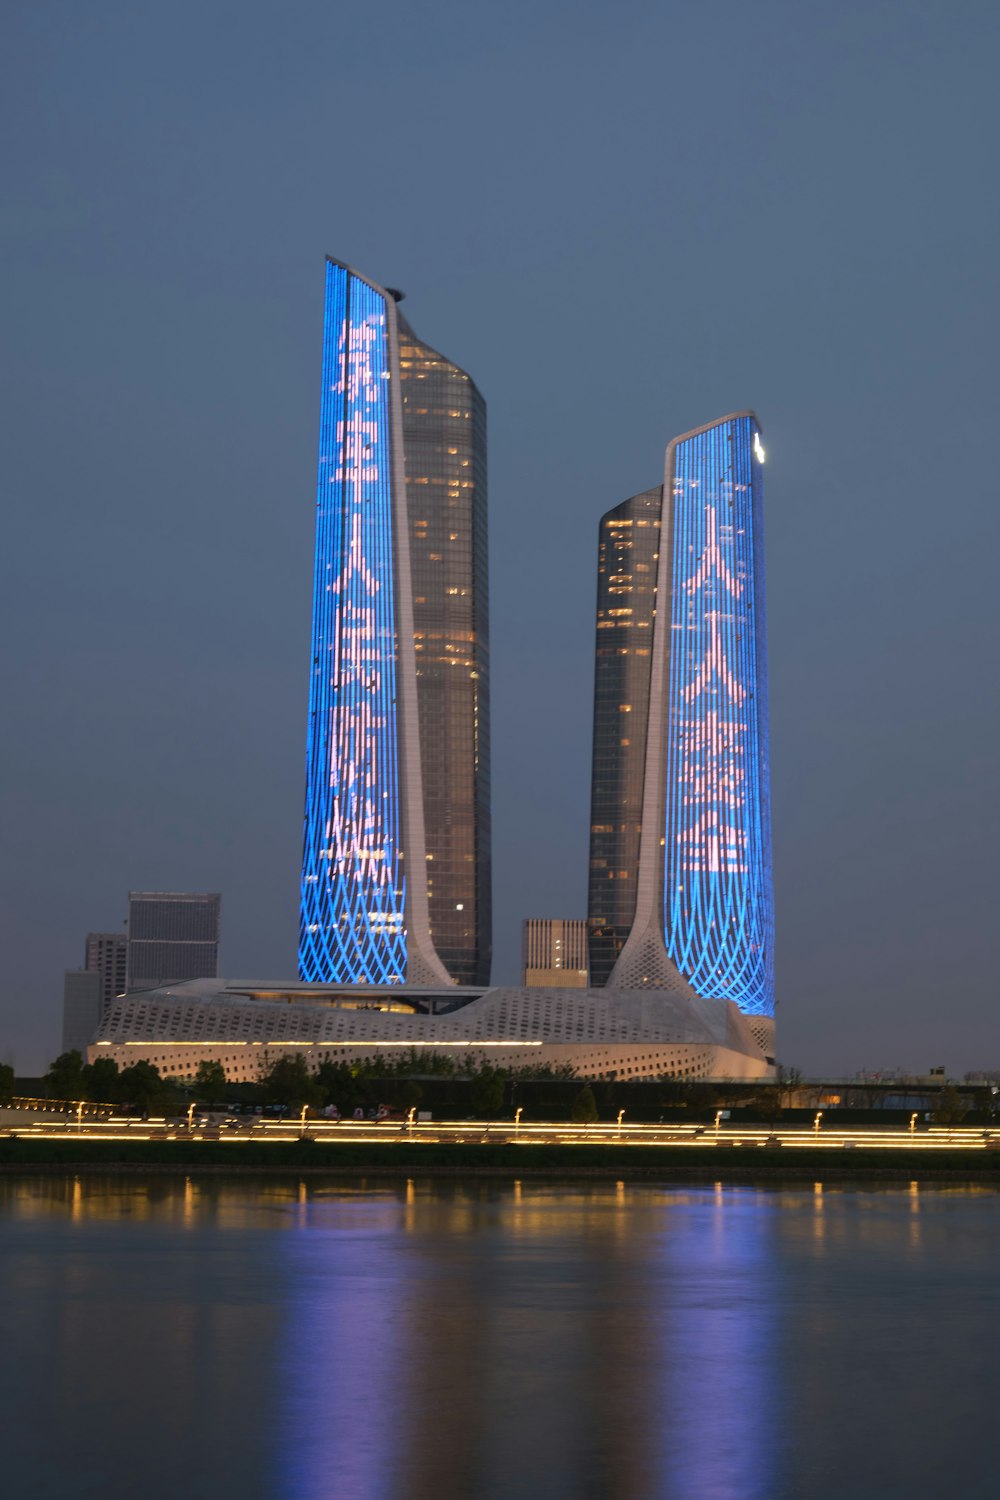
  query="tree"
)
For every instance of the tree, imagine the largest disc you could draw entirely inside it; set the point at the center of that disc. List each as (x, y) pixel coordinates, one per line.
(950, 1109)
(769, 1100)
(142, 1086)
(64, 1080)
(338, 1085)
(699, 1096)
(585, 1107)
(101, 1081)
(433, 1064)
(288, 1081)
(210, 1081)
(487, 1091)
(6, 1083)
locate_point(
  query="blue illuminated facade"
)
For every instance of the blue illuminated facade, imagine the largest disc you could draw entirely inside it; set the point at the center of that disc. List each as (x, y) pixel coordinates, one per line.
(717, 904)
(353, 927)
(680, 879)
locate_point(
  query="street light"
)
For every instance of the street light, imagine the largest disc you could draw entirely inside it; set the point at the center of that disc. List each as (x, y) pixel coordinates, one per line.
(913, 1122)
(517, 1117)
(819, 1116)
(409, 1118)
(621, 1116)
(718, 1117)
(191, 1107)
(79, 1115)
(302, 1120)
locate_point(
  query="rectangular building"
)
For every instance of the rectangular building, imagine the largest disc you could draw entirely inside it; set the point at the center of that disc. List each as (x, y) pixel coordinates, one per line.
(554, 953)
(172, 936)
(82, 1009)
(106, 953)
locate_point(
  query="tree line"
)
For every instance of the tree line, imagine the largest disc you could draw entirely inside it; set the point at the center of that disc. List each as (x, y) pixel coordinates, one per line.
(399, 1084)
(448, 1088)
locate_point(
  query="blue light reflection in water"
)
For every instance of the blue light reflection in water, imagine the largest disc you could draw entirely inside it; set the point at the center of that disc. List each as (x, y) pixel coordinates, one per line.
(277, 1340)
(560, 1343)
(719, 1333)
(343, 1356)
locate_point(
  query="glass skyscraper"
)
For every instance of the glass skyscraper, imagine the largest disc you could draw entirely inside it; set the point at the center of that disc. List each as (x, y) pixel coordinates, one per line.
(680, 870)
(444, 441)
(628, 550)
(396, 866)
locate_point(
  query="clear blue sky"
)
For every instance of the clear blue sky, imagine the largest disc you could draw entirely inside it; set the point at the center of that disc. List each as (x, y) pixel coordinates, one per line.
(623, 220)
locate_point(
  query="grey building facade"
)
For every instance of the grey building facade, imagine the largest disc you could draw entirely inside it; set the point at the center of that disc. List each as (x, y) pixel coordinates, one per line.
(82, 1009)
(554, 952)
(106, 953)
(172, 936)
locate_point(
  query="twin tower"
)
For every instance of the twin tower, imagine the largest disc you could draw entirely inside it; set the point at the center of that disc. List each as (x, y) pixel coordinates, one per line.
(396, 852)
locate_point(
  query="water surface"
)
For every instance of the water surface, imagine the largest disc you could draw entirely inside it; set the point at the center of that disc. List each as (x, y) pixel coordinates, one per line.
(270, 1339)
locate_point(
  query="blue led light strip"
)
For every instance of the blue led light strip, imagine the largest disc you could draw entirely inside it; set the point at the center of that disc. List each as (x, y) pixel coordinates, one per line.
(718, 904)
(353, 892)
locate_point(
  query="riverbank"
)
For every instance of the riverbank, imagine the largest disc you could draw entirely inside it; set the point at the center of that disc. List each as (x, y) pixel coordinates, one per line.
(705, 1163)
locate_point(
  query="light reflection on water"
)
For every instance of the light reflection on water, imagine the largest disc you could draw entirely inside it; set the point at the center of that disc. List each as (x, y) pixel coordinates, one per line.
(440, 1340)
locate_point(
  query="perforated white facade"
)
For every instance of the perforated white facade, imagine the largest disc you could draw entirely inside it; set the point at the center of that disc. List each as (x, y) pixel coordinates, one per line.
(245, 1026)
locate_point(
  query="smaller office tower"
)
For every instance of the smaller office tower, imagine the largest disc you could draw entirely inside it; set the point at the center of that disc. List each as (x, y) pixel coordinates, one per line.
(554, 953)
(172, 936)
(680, 878)
(106, 953)
(82, 1008)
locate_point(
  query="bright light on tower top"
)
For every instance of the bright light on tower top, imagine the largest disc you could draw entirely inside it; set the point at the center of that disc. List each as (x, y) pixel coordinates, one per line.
(758, 448)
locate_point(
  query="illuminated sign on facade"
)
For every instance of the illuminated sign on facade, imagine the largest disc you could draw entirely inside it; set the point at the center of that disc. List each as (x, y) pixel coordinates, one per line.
(717, 859)
(352, 925)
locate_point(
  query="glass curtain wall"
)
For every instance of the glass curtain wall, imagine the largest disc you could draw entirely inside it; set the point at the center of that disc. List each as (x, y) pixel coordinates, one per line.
(444, 437)
(628, 553)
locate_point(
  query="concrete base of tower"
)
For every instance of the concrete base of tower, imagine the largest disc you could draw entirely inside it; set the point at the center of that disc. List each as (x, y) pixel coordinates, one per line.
(599, 1033)
(762, 1029)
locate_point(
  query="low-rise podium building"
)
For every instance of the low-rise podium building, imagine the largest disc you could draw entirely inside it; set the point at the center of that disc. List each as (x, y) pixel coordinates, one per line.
(598, 1033)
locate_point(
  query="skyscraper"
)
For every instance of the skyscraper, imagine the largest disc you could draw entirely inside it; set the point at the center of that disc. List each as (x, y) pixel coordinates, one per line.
(628, 551)
(395, 867)
(172, 936)
(680, 878)
(106, 953)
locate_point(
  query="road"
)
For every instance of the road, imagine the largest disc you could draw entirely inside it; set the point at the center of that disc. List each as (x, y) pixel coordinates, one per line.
(824, 1133)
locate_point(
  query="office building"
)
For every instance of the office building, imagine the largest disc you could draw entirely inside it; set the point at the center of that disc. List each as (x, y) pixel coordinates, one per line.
(106, 953)
(628, 551)
(172, 936)
(680, 894)
(379, 966)
(396, 854)
(82, 1008)
(554, 953)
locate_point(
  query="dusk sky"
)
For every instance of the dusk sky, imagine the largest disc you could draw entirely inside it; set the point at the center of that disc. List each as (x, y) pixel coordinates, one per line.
(624, 221)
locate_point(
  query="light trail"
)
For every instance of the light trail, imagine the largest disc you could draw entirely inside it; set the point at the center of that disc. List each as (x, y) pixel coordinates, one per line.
(692, 1137)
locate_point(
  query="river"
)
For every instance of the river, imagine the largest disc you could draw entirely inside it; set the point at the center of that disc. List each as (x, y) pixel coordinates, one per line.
(274, 1339)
